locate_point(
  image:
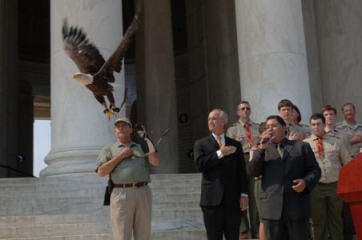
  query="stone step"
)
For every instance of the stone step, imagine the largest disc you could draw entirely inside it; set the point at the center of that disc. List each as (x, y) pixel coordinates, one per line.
(90, 196)
(72, 237)
(158, 226)
(101, 215)
(91, 178)
(52, 230)
(50, 209)
(64, 190)
(156, 235)
(29, 196)
(72, 208)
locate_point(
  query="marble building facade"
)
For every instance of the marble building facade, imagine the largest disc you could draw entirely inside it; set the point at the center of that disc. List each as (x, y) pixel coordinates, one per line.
(188, 57)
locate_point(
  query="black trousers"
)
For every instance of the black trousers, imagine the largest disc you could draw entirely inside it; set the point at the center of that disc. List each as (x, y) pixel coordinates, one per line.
(223, 219)
(287, 229)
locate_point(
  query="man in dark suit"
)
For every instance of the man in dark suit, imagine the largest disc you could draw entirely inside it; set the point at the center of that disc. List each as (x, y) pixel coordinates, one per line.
(224, 185)
(289, 173)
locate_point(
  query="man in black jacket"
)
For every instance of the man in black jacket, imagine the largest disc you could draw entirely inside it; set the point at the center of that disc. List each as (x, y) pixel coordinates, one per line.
(224, 186)
(289, 173)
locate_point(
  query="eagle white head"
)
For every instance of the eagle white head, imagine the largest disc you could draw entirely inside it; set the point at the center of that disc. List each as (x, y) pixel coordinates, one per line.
(85, 79)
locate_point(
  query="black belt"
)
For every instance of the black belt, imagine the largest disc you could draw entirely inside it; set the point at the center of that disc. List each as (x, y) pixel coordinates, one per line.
(130, 185)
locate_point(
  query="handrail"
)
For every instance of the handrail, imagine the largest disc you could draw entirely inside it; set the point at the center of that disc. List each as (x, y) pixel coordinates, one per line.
(16, 170)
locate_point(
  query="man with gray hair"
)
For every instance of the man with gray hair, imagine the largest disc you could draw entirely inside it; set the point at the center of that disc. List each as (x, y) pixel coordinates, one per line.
(224, 185)
(128, 167)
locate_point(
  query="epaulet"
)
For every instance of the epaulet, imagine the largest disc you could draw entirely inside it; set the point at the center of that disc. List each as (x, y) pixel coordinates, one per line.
(234, 124)
(338, 125)
(331, 136)
(336, 136)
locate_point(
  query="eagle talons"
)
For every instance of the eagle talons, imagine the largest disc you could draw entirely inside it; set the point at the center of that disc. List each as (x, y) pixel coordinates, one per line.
(107, 113)
(115, 111)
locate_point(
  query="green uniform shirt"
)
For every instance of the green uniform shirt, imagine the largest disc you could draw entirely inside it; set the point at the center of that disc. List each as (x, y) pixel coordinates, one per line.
(129, 170)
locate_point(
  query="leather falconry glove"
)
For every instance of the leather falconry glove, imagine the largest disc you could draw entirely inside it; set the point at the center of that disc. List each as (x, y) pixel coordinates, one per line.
(141, 137)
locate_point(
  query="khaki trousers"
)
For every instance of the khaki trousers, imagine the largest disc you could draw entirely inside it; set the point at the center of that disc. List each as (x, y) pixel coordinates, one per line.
(130, 212)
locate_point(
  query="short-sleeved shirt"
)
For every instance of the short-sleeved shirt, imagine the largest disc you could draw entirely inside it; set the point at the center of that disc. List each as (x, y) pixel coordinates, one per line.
(237, 131)
(351, 130)
(335, 155)
(129, 170)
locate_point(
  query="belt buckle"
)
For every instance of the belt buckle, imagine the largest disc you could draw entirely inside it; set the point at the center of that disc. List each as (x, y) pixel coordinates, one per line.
(134, 185)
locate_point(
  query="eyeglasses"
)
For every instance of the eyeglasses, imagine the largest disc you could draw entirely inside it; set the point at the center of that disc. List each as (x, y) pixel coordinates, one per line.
(245, 108)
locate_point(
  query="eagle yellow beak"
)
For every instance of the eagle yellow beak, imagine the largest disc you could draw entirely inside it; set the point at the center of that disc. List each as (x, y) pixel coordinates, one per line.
(76, 76)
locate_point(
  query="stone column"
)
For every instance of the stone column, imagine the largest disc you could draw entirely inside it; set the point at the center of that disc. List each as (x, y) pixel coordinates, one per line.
(8, 86)
(158, 78)
(272, 55)
(339, 25)
(213, 61)
(222, 56)
(79, 129)
(311, 42)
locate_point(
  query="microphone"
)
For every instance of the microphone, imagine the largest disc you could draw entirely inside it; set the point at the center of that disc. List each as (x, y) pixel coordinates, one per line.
(266, 139)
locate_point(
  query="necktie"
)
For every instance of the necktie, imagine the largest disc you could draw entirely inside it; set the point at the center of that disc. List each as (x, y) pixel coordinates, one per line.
(248, 134)
(320, 147)
(218, 139)
(280, 149)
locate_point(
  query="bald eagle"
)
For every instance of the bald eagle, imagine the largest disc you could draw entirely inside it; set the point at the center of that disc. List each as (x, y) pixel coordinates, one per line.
(95, 73)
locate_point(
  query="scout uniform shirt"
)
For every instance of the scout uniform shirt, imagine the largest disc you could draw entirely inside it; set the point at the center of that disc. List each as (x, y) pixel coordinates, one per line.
(341, 135)
(238, 132)
(306, 130)
(296, 128)
(333, 156)
(351, 130)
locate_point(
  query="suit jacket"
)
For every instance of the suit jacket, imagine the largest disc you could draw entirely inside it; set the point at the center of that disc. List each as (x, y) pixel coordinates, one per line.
(225, 177)
(298, 162)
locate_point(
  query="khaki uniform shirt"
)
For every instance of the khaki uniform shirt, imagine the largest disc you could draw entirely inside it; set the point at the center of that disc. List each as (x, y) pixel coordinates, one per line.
(129, 170)
(335, 155)
(351, 131)
(237, 131)
(341, 135)
(306, 130)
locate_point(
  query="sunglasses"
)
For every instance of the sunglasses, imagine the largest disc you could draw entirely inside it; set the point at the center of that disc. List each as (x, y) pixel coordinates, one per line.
(245, 108)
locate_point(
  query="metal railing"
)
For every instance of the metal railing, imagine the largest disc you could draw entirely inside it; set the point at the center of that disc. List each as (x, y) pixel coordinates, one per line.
(16, 170)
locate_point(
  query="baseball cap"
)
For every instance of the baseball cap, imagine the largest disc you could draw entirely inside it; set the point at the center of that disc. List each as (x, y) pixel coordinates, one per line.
(124, 119)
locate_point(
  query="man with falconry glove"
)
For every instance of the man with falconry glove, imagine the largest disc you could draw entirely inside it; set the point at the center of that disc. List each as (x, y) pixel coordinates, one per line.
(128, 165)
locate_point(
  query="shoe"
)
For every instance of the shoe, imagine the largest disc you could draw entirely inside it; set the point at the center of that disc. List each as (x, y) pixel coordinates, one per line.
(244, 235)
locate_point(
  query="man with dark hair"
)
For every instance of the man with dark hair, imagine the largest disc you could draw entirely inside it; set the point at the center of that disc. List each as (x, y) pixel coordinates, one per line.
(246, 132)
(326, 205)
(289, 173)
(224, 184)
(294, 131)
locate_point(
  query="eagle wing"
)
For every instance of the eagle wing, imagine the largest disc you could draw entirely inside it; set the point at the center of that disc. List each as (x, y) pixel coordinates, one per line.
(84, 54)
(114, 62)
